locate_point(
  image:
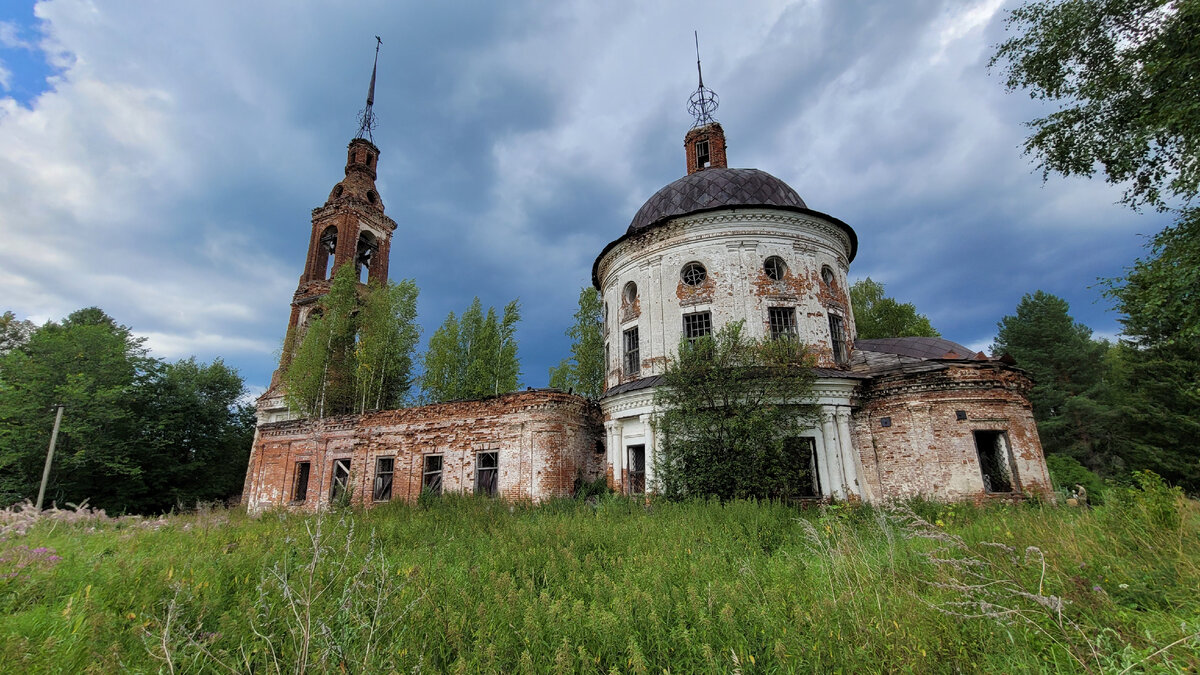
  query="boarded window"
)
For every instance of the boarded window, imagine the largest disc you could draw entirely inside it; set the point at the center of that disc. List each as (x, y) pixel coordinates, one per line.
(432, 477)
(837, 338)
(637, 469)
(487, 473)
(697, 325)
(300, 486)
(633, 359)
(384, 469)
(783, 322)
(995, 461)
(339, 486)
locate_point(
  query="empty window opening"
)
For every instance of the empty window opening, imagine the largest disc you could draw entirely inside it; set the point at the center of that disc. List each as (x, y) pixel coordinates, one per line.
(693, 274)
(827, 275)
(337, 191)
(385, 468)
(637, 469)
(487, 473)
(630, 293)
(367, 247)
(340, 484)
(837, 339)
(432, 474)
(782, 321)
(325, 250)
(995, 461)
(300, 486)
(372, 197)
(607, 357)
(633, 359)
(775, 268)
(604, 318)
(804, 480)
(702, 156)
(697, 325)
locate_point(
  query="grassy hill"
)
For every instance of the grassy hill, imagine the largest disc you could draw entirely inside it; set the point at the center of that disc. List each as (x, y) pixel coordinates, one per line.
(470, 585)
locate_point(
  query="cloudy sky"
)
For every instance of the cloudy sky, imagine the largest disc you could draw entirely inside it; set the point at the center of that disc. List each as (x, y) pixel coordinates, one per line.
(160, 160)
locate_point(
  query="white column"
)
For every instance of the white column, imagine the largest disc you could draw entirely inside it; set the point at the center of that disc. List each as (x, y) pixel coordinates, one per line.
(833, 455)
(846, 446)
(619, 445)
(610, 448)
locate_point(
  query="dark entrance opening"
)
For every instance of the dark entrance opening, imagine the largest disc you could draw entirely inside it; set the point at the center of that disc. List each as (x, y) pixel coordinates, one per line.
(995, 461)
(804, 479)
(637, 469)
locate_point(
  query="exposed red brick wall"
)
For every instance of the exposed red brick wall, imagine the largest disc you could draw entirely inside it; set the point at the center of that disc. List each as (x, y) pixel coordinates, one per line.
(927, 451)
(545, 440)
(715, 135)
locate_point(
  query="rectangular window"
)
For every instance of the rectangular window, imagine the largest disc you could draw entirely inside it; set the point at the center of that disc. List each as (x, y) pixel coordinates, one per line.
(783, 322)
(805, 480)
(837, 337)
(340, 483)
(702, 156)
(384, 469)
(995, 461)
(300, 487)
(633, 360)
(432, 477)
(697, 325)
(637, 469)
(487, 473)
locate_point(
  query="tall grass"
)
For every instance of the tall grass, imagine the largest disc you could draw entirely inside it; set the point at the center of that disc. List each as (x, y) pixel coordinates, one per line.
(474, 585)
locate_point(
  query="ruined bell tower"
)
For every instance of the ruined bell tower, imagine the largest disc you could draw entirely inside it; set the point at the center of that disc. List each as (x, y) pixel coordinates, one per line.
(350, 228)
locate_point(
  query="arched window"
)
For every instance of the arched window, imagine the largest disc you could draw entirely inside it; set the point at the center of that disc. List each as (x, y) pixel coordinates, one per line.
(365, 255)
(325, 251)
(372, 197)
(827, 275)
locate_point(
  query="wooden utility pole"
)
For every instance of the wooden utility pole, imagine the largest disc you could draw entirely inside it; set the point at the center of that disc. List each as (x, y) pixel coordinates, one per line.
(49, 455)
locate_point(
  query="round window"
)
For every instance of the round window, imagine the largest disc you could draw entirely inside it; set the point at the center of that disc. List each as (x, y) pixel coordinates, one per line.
(827, 275)
(630, 293)
(775, 268)
(693, 274)
(371, 196)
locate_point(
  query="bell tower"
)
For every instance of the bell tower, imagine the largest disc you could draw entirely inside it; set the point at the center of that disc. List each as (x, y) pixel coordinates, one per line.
(350, 228)
(704, 144)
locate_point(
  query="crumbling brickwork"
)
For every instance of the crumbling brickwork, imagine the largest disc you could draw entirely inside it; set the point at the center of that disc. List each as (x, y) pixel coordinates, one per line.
(916, 432)
(545, 440)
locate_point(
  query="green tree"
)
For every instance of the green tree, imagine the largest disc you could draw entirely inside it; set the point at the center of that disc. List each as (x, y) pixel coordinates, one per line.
(730, 404)
(1070, 393)
(473, 356)
(584, 371)
(1123, 74)
(355, 354)
(878, 316)
(137, 435)
(14, 332)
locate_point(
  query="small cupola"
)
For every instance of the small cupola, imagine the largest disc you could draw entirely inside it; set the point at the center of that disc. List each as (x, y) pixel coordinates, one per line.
(704, 144)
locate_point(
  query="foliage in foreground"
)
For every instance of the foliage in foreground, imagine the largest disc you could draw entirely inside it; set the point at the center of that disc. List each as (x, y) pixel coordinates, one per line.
(475, 585)
(731, 405)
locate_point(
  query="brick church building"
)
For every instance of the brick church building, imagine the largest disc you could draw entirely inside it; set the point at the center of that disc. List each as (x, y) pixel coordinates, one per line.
(899, 417)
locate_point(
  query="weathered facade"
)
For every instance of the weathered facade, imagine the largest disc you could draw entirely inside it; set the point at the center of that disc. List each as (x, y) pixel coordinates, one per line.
(899, 417)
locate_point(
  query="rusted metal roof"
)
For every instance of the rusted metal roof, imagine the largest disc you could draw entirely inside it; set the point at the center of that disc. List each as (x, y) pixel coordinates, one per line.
(713, 189)
(917, 347)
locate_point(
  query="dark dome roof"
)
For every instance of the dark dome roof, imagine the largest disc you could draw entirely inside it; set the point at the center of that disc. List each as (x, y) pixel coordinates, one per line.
(713, 189)
(916, 347)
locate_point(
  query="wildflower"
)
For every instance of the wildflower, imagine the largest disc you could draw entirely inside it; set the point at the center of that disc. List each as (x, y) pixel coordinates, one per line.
(1122, 586)
(1097, 589)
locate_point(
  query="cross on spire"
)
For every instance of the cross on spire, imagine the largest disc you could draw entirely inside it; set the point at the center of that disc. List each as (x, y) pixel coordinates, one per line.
(704, 101)
(366, 118)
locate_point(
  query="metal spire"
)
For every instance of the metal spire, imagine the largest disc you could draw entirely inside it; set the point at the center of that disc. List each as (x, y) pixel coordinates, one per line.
(366, 118)
(704, 101)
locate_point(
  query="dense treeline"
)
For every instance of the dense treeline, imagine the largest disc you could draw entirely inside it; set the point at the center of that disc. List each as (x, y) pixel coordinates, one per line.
(138, 434)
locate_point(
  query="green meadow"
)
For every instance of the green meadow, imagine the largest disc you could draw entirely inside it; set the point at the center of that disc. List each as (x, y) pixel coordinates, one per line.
(612, 585)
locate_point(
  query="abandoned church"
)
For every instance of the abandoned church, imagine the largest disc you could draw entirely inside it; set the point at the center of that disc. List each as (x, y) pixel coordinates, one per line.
(899, 417)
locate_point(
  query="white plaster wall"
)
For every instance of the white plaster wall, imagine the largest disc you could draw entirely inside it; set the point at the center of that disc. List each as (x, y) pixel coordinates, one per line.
(732, 244)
